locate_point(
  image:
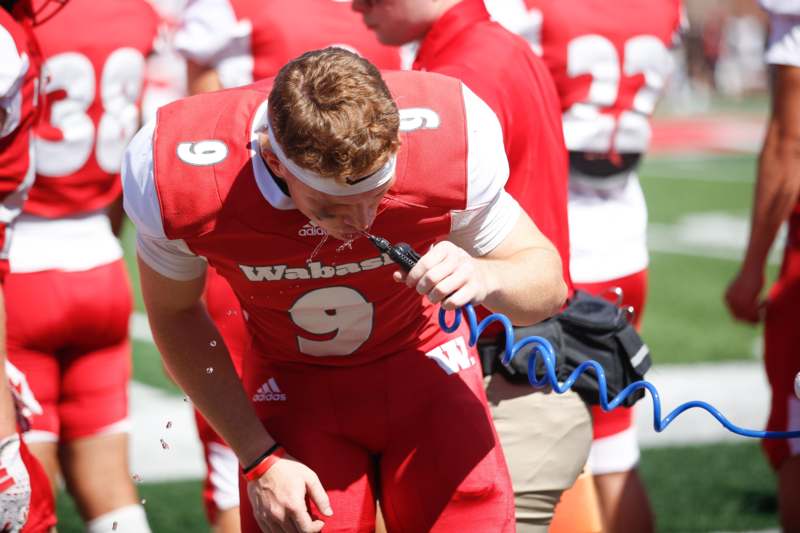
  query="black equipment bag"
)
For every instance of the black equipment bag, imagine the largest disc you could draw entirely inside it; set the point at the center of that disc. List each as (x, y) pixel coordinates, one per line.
(590, 328)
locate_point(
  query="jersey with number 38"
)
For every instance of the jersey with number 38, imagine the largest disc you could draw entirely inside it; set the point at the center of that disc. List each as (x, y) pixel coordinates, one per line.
(202, 190)
(610, 60)
(94, 57)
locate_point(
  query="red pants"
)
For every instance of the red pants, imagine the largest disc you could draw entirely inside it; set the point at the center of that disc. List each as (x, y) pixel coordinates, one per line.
(634, 290)
(782, 357)
(400, 429)
(68, 332)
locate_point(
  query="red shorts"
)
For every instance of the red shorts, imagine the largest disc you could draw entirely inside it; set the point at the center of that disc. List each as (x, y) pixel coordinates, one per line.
(68, 332)
(781, 341)
(399, 429)
(221, 486)
(634, 289)
(42, 512)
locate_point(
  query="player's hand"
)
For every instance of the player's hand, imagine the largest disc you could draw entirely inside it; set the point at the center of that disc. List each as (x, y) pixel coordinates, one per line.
(448, 275)
(743, 296)
(278, 498)
(15, 486)
(25, 403)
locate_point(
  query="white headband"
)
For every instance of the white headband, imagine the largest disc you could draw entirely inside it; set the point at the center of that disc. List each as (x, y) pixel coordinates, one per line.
(329, 185)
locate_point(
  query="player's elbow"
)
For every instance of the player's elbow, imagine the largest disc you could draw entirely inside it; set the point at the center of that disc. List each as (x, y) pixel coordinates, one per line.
(555, 299)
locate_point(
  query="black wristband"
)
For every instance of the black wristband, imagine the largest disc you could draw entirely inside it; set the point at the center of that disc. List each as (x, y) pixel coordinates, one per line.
(261, 457)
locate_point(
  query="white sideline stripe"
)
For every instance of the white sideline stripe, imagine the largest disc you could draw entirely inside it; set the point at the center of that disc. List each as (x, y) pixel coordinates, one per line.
(711, 234)
(738, 390)
(150, 411)
(695, 177)
(139, 327)
(751, 531)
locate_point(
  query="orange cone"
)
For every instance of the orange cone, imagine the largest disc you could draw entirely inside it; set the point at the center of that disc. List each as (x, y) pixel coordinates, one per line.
(578, 511)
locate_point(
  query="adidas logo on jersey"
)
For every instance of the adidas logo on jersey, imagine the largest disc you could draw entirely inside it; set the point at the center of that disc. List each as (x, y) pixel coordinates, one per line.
(269, 392)
(311, 230)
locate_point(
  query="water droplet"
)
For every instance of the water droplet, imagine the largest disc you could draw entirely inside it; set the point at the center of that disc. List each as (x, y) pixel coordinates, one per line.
(210, 370)
(169, 425)
(144, 501)
(212, 344)
(137, 478)
(114, 526)
(164, 444)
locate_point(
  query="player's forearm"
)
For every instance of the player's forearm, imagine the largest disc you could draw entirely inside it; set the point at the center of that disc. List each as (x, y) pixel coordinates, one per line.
(527, 287)
(776, 193)
(778, 182)
(199, 362)
(8, 417)
(8, 420)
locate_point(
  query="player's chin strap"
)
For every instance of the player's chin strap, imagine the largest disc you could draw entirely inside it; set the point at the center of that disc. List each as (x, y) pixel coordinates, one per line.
(541, 347)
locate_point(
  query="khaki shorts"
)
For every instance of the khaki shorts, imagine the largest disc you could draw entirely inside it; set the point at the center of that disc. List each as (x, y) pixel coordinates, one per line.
(546, 439)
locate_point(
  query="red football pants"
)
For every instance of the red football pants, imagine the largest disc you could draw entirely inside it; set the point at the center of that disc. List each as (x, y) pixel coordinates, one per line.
(400, 429)
(68, 333)
(782, 357)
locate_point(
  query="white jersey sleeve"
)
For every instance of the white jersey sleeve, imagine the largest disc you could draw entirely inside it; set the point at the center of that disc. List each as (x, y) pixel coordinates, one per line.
(516, 17)
(783, 46)
(13, 67)
(781, 7)
(171, 258)
(208, 28)
(491, 212)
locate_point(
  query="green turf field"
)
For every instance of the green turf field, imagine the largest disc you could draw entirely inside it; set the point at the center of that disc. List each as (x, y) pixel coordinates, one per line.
(704, 488)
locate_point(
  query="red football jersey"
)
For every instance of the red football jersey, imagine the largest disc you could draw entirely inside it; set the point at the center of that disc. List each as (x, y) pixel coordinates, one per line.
(270, 33)
(610, 60)
(502, 70)
(341, 306)
(93, 72)
(19, 80)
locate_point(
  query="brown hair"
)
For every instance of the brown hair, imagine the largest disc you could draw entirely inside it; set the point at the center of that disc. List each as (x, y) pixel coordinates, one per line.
(333, 114)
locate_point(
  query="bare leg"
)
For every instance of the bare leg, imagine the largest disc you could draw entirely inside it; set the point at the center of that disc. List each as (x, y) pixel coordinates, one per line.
(47, 454)
(96, 472)
(228, 521)
(624, 503)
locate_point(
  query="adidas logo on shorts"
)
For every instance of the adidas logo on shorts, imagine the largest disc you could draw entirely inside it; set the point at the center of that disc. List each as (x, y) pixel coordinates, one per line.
(269, 392)
(311, 230)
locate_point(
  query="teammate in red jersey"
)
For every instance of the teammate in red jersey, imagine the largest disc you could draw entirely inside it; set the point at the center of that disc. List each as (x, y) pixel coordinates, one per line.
(610, 61)
(359, 393)
(545, 436)
(776, 200)
(26, 499)
(229, 43)
(68, 294)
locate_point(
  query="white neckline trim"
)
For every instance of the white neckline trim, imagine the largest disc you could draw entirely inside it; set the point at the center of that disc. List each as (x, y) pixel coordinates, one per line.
(266, 184)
